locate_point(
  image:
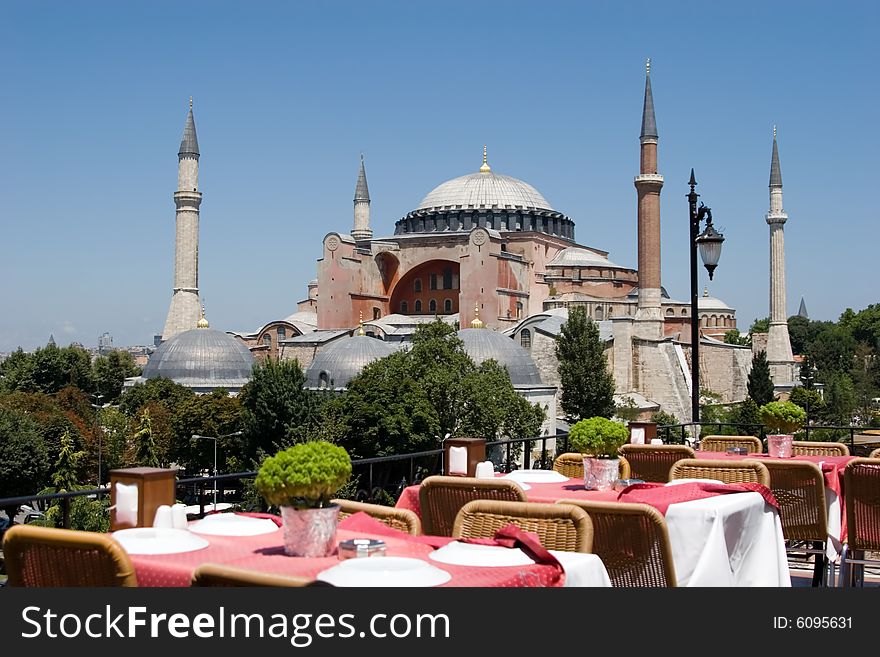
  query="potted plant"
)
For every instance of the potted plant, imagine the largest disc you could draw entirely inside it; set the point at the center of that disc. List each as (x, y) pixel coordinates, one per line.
(782, 418)
(301, 480)
(598, 439)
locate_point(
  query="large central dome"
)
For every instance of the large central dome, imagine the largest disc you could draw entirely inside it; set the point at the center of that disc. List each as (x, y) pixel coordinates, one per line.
(484, 190)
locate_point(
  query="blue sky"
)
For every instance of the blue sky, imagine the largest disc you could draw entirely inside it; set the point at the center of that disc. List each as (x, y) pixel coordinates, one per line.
(94, 96)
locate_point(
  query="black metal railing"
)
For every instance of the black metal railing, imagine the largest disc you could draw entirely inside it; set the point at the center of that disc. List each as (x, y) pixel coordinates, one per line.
(684, 433)
(378, 478)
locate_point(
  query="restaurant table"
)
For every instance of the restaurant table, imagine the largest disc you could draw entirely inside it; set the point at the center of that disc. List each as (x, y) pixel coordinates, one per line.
(265, 553)
(724, 540)
(832, 468)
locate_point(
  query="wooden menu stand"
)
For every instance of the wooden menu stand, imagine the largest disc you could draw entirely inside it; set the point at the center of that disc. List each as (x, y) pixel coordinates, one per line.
(156, 486)
(476, 453)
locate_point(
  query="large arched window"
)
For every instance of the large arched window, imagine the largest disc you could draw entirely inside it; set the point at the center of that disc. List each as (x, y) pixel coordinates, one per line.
(447, 306)
(282, 333)
(525, 338)
(267, 340)
(599, 313)
(417, 285)
(432, 306)
(670, 312)
(418, 306)
(404, 307)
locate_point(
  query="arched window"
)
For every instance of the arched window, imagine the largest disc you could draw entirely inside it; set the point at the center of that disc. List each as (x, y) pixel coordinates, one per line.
(447, 306)
(267, 340)
(684, 312)
(519, 309)
(670, 312)
(404, 307)
(324, 380)
(599, 313)
(447, 278)
(525, 338)
(418, 306)
(376, 313)
(432, 306)
(417, 285)
(433, 281)
(282, 333)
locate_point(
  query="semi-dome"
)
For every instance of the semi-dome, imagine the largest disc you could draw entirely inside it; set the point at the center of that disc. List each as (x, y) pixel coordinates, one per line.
(484, 190)
(483, 344)
(707, 303)
(202, 359)
(577, 257)
(342, 360)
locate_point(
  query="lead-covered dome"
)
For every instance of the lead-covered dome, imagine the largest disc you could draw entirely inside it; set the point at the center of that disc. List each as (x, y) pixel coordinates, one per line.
(342, 360)
(482, 344)
(202, 359)
(484, 190)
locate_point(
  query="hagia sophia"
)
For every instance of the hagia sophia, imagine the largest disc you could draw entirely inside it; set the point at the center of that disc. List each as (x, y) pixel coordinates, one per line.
(486, 252)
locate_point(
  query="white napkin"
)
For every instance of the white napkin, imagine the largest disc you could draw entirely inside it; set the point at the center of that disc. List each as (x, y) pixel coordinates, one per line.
(637, 436)
(163, 517)
(178, 516)
(126, 504)
(485, 470)
(458, 458)
(656, 441)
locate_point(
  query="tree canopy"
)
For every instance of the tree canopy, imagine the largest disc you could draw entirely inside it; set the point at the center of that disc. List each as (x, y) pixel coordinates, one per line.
(587, 385)
(760, 385)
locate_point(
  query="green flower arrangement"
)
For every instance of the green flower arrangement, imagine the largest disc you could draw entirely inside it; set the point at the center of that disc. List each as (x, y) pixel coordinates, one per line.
(598, 437)
(304, 476)
(783, 417)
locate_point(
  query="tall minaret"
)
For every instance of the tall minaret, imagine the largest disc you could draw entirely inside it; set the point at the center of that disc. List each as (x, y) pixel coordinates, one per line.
(184, 312)
(362, 230)
(778, 345)
(649, 319)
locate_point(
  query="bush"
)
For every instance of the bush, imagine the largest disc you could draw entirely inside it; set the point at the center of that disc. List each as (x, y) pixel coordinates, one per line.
(598, 436)
(782, 417)
(305, 475)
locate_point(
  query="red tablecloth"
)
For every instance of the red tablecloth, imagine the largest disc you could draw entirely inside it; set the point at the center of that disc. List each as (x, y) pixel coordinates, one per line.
(266, 554)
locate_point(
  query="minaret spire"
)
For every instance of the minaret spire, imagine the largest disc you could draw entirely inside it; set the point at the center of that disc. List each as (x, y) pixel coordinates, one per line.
(184, 313)
(362, 230)
(648, 185)
(779, 354)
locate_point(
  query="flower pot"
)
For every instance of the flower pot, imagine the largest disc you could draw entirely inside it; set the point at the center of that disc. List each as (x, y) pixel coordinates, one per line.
(309, 532)
(779, 445)
(600, 474)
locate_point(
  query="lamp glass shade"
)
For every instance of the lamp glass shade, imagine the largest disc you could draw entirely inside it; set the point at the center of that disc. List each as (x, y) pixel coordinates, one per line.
(710, 249)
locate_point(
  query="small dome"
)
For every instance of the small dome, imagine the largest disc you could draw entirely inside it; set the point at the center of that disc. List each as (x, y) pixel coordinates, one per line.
(342, 360)
(483, 344)
(202, 359)
(707, 303)
(575, 257)
(490, 190)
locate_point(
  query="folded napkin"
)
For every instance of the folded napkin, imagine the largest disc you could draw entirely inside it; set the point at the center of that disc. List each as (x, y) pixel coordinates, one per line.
(660, 496)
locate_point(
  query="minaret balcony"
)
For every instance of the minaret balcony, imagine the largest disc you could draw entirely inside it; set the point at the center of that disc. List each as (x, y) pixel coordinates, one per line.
(648, 180)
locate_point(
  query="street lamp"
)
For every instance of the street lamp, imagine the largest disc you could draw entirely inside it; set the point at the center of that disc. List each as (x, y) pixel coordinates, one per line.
(709, 243)
(215, 439)
(98, 408)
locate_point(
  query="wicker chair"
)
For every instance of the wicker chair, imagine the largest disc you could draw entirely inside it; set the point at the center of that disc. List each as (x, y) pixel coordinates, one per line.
(558, 527)
(875, 454)
(721, 443)
(861, 481)
(817, 448)
(653, 462)
(799, 487)
(730, 472)
(571, 464)
(44, 556)
(212, 574)
(402, 519)
(632, 541)
(441, 498)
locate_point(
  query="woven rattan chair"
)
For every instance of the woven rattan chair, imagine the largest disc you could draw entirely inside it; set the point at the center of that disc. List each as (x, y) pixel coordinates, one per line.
(861, 483)
(571, 464)
(402, 519)
(632, 541)
(558, 527)
(817, 448)
(653, 462)
(441, 498)
(44, 556)
(875, 454)
(730, 472)
(721, 443)
(212, 574)
(799, 487)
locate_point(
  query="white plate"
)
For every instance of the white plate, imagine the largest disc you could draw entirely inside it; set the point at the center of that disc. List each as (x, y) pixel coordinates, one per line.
(153, 540)
(469, 554)
(384, 571)
(693, 481)
(231, 524)
(537, 476)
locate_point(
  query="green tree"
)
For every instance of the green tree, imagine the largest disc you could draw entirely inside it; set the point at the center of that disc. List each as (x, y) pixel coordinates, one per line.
(746, 412)
(160, 389)
(275, 408)
(798, 333)
(493, 409)
(144, 444)
(662, 418)
(217, 414)
(24, 462)
(110, 371)
(831, 351)
(64, 477)
(840, 400)
(733, 336)
(865, 326)
(48, 369)
(587, 385)
(808, 399)
(760, 386)
(760, 326)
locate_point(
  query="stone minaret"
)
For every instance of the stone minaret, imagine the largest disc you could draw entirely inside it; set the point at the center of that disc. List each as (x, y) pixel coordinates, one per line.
(649, 319)
(362, 230)
(778, 345)
(184, 312)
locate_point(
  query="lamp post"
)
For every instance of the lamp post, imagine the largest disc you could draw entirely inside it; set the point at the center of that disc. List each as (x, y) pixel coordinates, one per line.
(215, 439)
(98, 408)
(709, 243)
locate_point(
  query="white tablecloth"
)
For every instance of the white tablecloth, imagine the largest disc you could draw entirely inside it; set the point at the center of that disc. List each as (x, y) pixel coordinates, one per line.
(727, 540)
